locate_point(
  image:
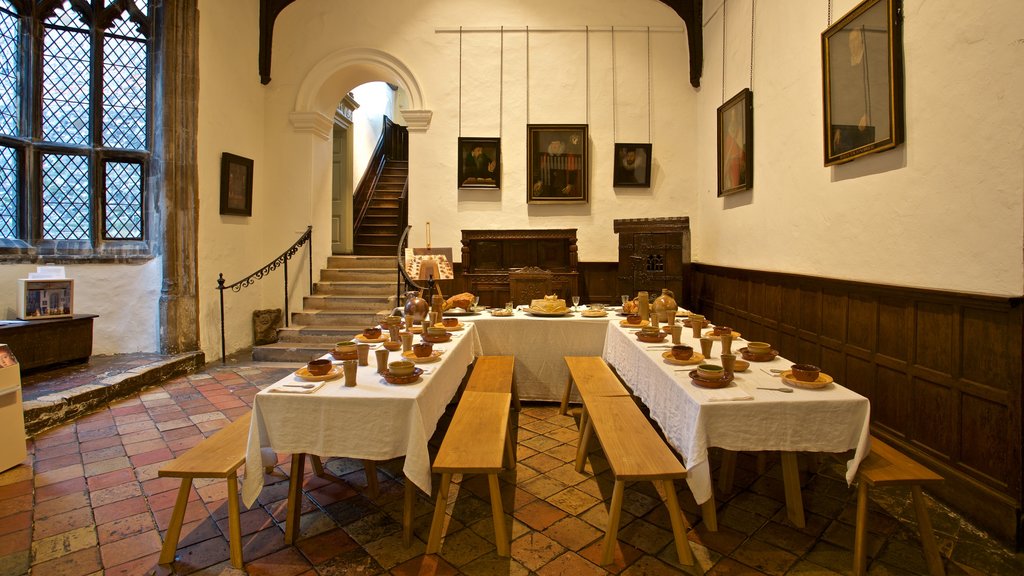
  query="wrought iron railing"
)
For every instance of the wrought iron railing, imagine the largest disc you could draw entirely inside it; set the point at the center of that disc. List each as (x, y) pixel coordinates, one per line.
(279, 262)
(405, 282)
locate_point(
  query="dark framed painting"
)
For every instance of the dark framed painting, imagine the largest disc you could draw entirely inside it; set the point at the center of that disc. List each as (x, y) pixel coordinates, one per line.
(557, 163)
(862, 71)
(235, 185)
(479, 162)
(736, 144)
(632, 165)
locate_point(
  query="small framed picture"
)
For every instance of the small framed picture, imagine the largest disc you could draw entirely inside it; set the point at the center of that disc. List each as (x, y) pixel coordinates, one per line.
(479, 162)
(45, 299)
(556, 163)
(862, 69)
(736, 144)
(235, 185)
(632, 165)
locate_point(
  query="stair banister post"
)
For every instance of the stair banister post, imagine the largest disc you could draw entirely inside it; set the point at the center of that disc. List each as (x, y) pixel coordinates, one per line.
(223, 345)
(286, 292)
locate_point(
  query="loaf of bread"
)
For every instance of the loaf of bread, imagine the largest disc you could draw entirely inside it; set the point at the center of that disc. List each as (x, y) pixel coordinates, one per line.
(464, 301)
(550, 304)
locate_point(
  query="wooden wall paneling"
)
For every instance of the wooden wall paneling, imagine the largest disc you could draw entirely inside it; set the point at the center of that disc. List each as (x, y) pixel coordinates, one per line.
(895, 338)
(933, 337)
(934, 421)
(598, 283)
(943, 370)
(984, 430)
(861, 321)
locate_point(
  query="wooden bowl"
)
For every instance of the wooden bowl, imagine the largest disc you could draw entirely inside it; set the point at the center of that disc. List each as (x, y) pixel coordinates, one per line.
(759, 348)
(805, 372)
(393, 345)
(422, 349)
(710, 372)
(720, 330)
(682, 352)
(401, 367)
(319, 367)
(450, 322)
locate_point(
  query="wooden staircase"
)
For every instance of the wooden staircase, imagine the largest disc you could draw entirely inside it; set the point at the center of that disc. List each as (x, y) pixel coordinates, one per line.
(351, 292)
(378, 233)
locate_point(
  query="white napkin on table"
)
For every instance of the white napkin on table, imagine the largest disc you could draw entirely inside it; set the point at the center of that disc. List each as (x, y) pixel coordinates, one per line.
(731, 392)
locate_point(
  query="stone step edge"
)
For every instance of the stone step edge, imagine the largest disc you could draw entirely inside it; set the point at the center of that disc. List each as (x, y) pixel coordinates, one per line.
(61, 407)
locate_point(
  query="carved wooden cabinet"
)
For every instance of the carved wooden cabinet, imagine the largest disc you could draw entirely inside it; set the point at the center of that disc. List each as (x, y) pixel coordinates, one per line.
(652, 255)
(489, 255)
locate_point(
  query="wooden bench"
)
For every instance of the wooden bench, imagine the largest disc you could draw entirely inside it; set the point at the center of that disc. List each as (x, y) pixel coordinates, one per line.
(495, 374)
(886, 466)
(477, 442)
(634, 452)
(592, 376)
(218, 456)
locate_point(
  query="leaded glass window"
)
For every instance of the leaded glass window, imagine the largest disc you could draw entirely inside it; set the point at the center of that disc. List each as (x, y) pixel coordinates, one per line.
(67, 62)
(123, 215)
(124, 86)
(74, 144)
(8, 193)
(9, 70)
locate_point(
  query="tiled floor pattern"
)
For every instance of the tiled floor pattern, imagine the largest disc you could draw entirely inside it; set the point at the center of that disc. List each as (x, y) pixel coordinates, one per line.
(89, 502)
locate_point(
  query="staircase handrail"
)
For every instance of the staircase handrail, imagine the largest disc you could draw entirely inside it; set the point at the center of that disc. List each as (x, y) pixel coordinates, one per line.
(392, 145)
(282, 260)
(403, 277)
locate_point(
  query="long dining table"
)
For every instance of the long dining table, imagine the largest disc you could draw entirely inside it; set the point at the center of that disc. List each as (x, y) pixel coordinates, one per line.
(372, 421)
(742, 417)
(539, 344)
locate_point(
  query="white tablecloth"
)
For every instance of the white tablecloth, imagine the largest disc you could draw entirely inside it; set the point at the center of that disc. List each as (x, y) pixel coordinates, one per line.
(373, 420)
(833, 419)
(539, 345)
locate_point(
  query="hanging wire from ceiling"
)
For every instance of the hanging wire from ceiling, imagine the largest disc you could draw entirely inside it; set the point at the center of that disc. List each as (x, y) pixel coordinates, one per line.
(587, 40)
(650, 128)
(615, 88)
(527, 74)
(501, 82)
(753, 9)
(460, 81)
(723, 51)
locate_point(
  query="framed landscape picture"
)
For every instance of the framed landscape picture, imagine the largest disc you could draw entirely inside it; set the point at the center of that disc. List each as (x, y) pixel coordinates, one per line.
(862, 61)
(632, 165)
(736, 144)
(557, 168)
(235, 185)
(479, 162)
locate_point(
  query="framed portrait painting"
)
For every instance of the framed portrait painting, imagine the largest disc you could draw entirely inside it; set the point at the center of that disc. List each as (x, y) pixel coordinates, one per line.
(235, 185)
(479, 162)
(632, 165)
(862, 61)
(557, 170)
(736, 144)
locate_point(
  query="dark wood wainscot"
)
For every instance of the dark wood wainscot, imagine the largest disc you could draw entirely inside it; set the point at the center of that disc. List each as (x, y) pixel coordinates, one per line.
(942, 370)
(489, 255)
(41, 343)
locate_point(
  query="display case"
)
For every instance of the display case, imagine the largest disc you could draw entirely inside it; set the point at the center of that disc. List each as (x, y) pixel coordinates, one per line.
(488, 256)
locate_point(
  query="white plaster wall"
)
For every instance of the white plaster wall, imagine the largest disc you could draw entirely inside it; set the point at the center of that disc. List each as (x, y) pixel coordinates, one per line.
(125, 296)
(942, 211)
(308, 32)
(376, 100)
(231, 111)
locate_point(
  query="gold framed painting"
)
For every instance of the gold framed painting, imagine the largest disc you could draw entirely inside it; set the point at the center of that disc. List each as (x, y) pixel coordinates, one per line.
(736, 144)
(862, 61)
(557, 169)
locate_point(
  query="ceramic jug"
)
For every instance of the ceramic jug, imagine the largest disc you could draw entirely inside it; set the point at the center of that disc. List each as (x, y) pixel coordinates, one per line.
(665, 304)
(416, 308)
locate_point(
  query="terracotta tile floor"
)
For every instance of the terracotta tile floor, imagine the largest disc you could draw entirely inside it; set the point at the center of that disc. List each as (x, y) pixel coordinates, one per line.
(88, 501)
